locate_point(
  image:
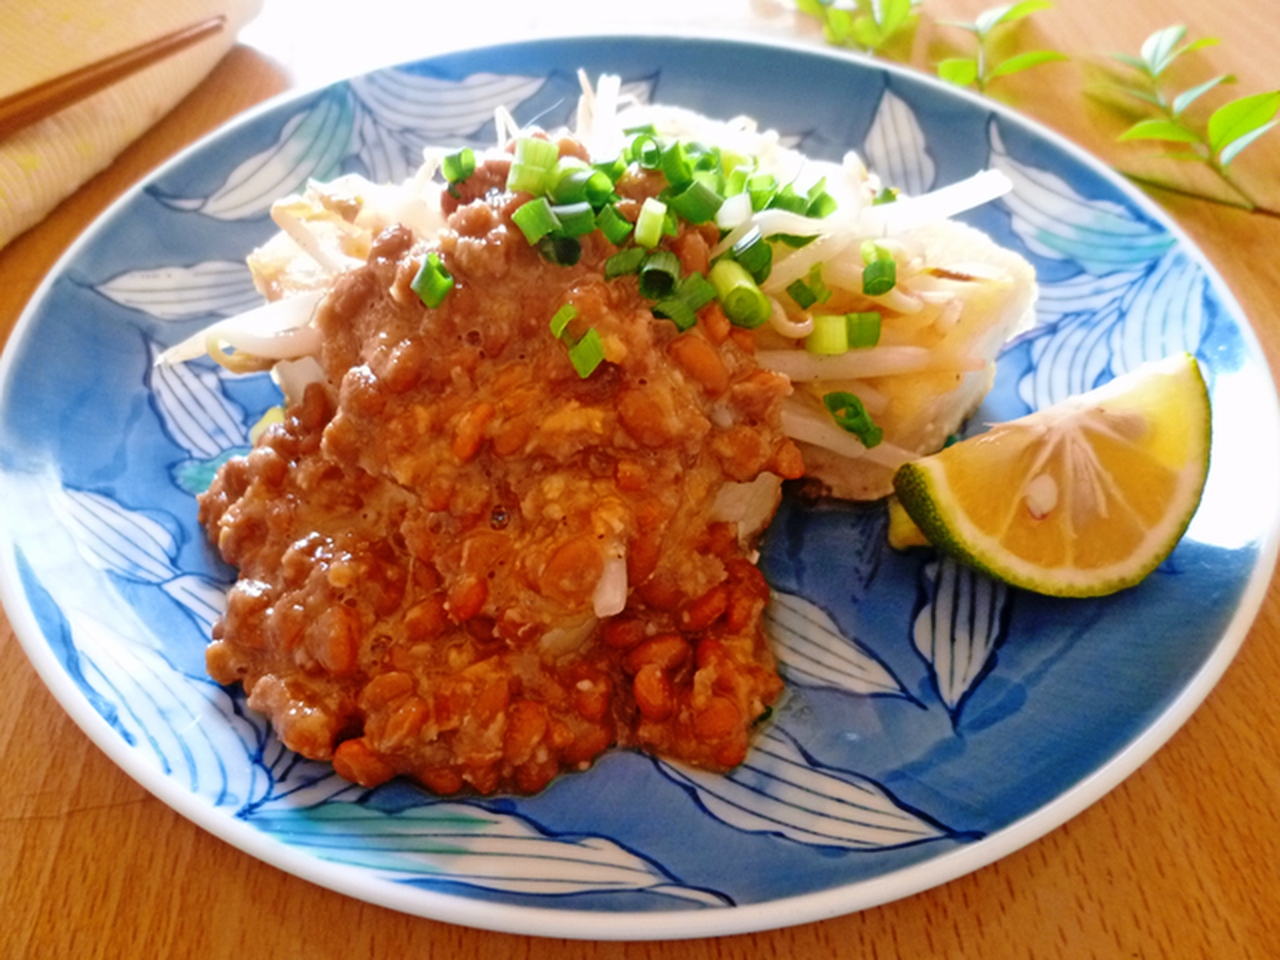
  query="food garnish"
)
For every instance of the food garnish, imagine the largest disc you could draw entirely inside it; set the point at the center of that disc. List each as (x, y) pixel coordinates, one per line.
(1083, 498)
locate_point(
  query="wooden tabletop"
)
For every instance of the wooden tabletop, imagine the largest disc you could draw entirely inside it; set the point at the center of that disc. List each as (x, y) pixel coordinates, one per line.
(1181, 860)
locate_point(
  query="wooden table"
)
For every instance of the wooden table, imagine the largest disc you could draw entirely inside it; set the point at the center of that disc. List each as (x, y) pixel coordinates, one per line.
(1182, 860)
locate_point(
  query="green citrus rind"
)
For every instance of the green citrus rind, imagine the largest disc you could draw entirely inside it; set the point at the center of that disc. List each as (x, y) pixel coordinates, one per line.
(921, 489)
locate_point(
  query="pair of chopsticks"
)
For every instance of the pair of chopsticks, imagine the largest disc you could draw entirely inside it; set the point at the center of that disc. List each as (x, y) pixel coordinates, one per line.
(28, 106)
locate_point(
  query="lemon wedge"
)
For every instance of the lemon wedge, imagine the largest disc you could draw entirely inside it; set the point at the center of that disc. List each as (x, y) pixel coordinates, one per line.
(1080, 499)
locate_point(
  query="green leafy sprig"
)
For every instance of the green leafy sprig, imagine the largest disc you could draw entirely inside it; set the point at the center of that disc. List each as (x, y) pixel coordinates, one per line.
(871, 26)
(1215, 143)
(984, 67)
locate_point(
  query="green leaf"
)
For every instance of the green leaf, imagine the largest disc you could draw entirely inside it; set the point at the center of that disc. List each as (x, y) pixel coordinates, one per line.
(837, 25)
(1236, 119)
(988, 20)
(1130, 61)
(894, 15)
(1160, 130)
(1188, 97)
(1235, 146)
(814, 8)
(867, 34)
(962, 24)
(1025, 61)
(962, 71)
(1158, 49)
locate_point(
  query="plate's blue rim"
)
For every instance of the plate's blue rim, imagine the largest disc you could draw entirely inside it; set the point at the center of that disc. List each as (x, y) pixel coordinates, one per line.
(683, 924)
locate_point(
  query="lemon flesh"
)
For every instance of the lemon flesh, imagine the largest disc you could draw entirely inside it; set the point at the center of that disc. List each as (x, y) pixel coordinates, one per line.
(1080, 499)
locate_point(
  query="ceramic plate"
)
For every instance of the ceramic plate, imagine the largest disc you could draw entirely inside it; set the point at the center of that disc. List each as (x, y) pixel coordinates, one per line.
(934, 720)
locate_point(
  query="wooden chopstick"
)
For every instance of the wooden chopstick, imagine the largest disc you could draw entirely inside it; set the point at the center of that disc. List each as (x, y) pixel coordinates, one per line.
(45, 99)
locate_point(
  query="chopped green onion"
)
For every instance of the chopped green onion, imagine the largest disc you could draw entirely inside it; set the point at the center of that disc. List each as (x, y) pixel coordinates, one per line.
(624, 262)
(645, 151)
(761, 187)
(576, 219)
(523, 178)
(811, 290)
(787, 199)
(692, 294)
(863, 328)
(573, 181)
(879, 277)
(587, 353)
(817, 285)
(536, 152)
(880, 273)
(743, 302)
(613, 169)
(651, 223)
(697, 202)
(799, 291)
(613, 225)
(560, 250)
(755, 254)
(848, 411)
(735, 182)
(823, 205)
(677, 311)
(560, 320)
(696, 290)
(830, 336)
(458, 166)
(658, 274)
(433, 282)
(535, 219)
(886, 195)
(676, 165)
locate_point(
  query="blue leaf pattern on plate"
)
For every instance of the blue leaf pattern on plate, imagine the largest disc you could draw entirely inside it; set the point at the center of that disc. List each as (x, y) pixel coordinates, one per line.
(467, 844)
(779, 789)
(959, 626)
(194, 409)
(219, 288)
(1057, 223)
(813, 652)
(311, 146)
(895, 147)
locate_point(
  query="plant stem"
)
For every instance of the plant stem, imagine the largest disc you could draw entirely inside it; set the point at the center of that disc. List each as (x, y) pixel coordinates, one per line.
(1246, 204)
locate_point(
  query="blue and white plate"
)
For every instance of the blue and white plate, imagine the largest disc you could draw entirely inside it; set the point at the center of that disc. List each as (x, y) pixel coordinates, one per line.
(934, 720)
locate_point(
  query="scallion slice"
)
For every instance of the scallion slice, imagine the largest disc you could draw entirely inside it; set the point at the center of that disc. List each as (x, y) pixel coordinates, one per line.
(645, 151)
(744, 303)
(677, 311)
(560, 319)
(799, 291)
(536, 152)
(863, 329)
(433, 282)
(535, 219)
(830, 335)
(560, 250)
(880, 270)
(524, 178)
(613, 225)
(676, 165)
(587, 353)
(849, 413)
(697, 202)
(754, 253)
(576, 219)
(456, 167)
(624, 262)
(659, 274)
(651, 223)
(761, 187)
